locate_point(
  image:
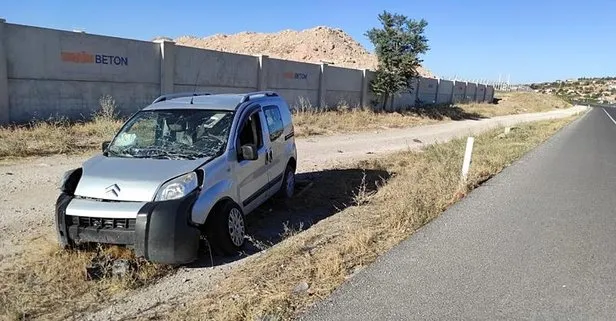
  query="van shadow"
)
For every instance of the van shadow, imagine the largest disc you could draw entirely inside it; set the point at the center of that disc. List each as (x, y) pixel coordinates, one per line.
(318, 195)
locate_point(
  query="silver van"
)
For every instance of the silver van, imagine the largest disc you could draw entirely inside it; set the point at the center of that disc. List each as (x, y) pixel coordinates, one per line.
(186, 166)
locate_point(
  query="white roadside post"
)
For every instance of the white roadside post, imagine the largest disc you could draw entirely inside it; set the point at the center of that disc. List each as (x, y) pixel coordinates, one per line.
(466, 164)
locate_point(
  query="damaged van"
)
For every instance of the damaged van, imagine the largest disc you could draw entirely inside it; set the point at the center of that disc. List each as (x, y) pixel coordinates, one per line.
(185, 167)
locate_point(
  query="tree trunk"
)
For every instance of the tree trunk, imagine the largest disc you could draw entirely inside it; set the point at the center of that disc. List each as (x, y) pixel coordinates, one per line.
(385, 100)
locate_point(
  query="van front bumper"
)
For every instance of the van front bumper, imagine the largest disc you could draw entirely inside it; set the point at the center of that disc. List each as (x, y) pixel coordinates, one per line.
(161, 231)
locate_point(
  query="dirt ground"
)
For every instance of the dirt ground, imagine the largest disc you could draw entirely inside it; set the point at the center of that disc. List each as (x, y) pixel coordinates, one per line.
(30, 191)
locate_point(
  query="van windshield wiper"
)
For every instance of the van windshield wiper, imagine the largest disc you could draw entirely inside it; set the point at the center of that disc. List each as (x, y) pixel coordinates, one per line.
(113, 153)
(159, 153)
(171, 154)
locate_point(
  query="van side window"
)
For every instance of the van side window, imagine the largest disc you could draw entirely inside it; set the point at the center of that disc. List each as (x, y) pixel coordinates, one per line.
(251, 132)
(274, 122)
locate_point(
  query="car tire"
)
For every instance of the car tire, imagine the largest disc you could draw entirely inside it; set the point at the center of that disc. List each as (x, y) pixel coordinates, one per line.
(287, 189)
(226, 231)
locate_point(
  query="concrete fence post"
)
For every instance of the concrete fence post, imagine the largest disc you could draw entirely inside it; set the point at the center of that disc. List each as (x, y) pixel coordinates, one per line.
(453, 90)
(363, 102)
(322, 85)
(167, 65)
(262, 72)
(438, 84)
(464, 100)
(4, 78)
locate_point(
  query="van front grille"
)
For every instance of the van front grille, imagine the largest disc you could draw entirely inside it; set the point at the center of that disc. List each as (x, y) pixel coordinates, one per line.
(102, 222)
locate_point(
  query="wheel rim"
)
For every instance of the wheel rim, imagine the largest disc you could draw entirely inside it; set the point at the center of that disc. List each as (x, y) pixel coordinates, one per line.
(290, 183)
(236, 227)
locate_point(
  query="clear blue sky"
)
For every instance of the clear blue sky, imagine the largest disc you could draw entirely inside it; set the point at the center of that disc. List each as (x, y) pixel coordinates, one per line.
(536, 40)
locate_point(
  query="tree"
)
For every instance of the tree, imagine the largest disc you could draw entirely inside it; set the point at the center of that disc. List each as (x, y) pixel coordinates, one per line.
(398, 45)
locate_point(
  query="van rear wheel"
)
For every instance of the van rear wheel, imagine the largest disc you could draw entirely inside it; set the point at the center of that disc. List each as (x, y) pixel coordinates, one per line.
(226, 231)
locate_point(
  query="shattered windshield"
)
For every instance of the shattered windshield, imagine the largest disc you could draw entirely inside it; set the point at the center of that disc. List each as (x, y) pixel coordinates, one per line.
(173, 134)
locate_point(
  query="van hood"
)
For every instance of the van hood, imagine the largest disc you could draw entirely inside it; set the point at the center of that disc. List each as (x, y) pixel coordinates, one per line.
(129, 179)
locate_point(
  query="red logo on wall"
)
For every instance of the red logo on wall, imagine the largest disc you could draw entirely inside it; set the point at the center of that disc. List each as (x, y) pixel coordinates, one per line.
(294, 75)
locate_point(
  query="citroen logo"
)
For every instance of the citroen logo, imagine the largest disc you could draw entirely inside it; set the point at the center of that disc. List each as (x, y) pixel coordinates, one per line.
(113, 190)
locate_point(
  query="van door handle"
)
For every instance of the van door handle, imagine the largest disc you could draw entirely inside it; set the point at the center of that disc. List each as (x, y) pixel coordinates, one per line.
(271, 156)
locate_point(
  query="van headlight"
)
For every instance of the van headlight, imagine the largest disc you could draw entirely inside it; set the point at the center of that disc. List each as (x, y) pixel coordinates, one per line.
(177, 187)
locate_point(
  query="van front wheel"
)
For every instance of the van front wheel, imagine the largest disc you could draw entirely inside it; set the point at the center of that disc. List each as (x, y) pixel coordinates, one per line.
(226, 232)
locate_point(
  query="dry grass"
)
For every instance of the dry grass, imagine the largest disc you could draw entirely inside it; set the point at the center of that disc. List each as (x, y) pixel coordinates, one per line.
(423, 185)
(309, 121)
(55, 137)
(518, 103)
(62, 137)
(50, 284)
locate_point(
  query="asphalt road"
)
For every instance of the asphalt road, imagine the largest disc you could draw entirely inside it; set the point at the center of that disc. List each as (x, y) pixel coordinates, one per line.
(537, 242)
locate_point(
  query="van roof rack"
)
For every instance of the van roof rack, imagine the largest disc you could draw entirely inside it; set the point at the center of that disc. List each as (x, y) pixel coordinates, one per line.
(258, 93)
(179, 95)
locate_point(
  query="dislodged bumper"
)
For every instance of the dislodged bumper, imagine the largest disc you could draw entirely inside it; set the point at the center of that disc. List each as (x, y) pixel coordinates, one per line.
(161, 231)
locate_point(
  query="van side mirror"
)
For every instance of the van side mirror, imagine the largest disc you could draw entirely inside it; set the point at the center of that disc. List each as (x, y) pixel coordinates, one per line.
(249, 152)
(104, 146)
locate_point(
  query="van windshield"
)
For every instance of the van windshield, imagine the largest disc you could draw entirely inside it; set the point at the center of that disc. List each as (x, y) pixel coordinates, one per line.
(173, 134)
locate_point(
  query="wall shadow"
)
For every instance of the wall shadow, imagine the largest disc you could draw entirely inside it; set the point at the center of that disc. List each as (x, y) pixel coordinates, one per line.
(440, 112)
(319, 195)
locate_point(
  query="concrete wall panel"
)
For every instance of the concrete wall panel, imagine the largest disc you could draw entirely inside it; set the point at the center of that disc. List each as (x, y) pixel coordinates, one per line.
(489, 93)
(370, 75)
(299, 98)
(211, 68)
(410, 96)
(471, 90)
(445, 90)
(42, 99)
(284, 74)
(344, 79)
(334, 98)
(403, 101)
(481, 93)
(38, 53)
(427, 90)
(212, 89)
(459, 90)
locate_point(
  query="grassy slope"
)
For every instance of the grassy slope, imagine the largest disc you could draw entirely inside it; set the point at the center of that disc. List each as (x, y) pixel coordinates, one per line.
(47, 283)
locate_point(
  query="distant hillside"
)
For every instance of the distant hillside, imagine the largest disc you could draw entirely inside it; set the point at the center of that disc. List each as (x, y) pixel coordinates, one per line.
(310, 45)
(592, 90)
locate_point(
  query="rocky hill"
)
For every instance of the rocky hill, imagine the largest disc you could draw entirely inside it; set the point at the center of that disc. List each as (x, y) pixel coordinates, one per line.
(310, 45)
(592, 90)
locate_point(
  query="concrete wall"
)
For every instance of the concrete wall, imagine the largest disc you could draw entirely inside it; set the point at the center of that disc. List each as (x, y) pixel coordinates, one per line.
(297, 82)
(427, 90)
(214, 71)
(53, 73)
(343, 86)
(489, 93)
(445, 92)
(471, 90)
(407, 99)
(481, 93)
(459, 91)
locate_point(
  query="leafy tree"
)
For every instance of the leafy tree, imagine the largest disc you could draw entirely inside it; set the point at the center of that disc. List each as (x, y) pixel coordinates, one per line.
(398, 44)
